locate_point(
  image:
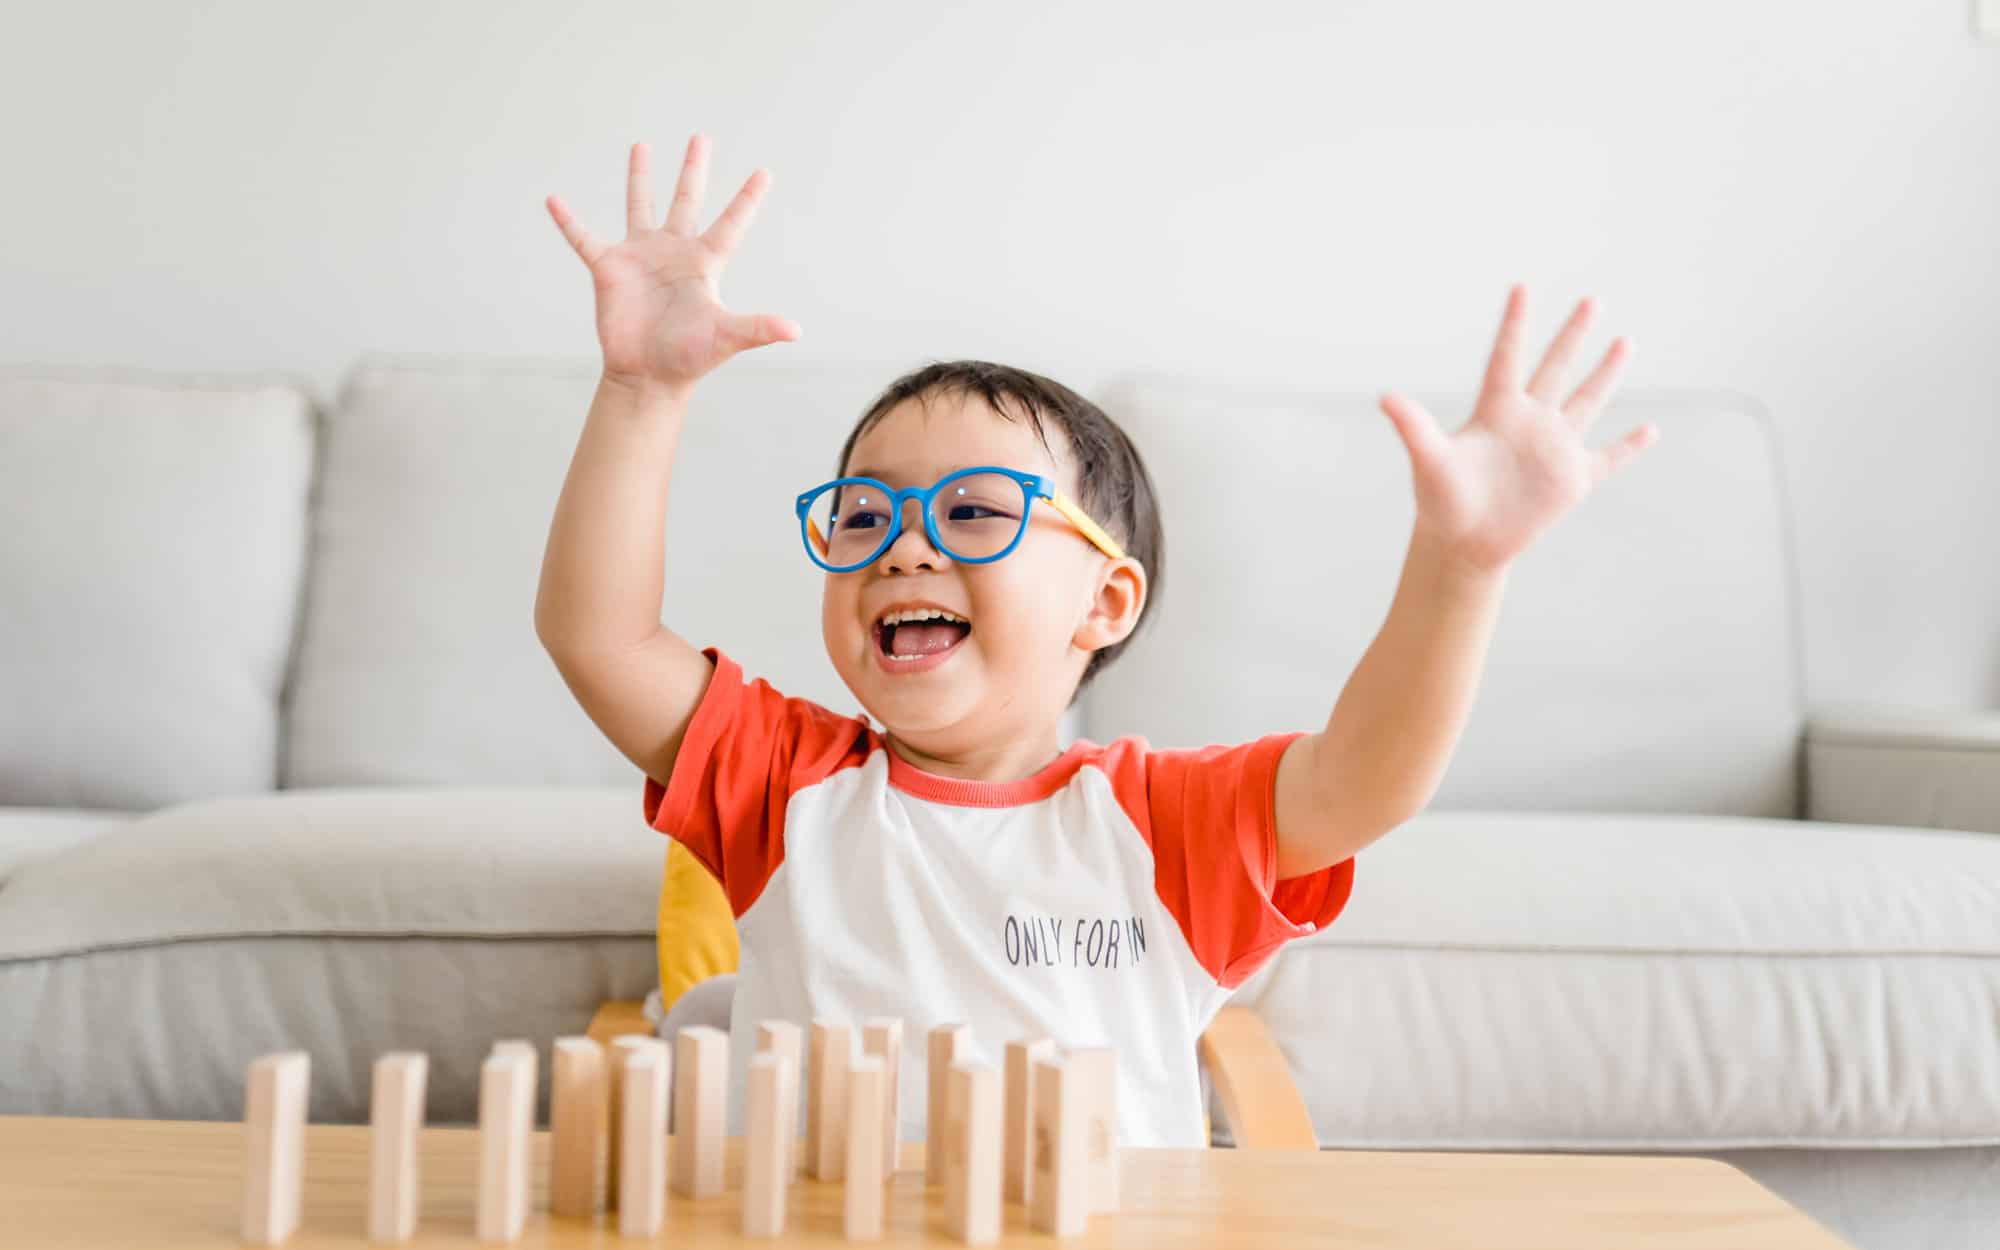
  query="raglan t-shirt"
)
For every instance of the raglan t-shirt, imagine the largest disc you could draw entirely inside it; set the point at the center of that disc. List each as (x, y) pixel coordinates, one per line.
(1114, 898)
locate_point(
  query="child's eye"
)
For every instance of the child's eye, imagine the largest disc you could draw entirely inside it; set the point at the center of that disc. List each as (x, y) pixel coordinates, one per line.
(971, 512)
(861, 521)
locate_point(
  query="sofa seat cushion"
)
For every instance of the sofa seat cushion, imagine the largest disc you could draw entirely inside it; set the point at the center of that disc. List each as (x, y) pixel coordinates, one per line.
(31, 833)
(144, 969)
(1595, 981)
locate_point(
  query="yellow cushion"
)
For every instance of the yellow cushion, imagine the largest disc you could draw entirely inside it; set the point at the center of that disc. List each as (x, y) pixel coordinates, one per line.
(697, 932)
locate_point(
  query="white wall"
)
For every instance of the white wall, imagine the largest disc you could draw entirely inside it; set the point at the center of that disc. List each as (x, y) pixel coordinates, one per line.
(1784, 198)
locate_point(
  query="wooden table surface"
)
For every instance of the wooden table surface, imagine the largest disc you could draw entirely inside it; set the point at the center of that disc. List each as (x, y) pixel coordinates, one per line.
(166, 1183)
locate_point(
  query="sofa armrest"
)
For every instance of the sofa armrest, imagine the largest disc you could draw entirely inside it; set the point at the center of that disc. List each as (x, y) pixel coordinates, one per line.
(1878, 765)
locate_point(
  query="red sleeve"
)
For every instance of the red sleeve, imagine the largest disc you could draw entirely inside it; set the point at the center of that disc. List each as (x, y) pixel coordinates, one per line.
(746, 752)
(1210, 814)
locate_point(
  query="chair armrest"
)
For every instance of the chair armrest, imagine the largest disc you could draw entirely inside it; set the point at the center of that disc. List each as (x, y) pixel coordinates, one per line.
(618, 1016)
(1878, 765)
(1259, 1100)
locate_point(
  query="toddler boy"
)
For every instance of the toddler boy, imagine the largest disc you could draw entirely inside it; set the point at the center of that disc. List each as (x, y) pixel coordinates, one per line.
(990, 541)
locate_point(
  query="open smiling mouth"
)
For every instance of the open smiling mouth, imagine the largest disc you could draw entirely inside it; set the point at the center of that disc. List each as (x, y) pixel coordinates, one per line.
(919, 634)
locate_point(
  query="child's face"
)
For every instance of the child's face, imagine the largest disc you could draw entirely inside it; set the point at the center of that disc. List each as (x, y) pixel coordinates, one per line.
(1036, 614)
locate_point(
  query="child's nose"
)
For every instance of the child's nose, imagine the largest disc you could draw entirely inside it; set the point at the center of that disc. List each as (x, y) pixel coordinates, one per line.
(912, 549)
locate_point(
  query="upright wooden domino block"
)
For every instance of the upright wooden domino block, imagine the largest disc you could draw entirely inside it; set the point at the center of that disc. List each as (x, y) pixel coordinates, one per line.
(648, 1070)
(1097, 1076)
(577, 1111)
(883, 1038)
(522, 1187)
(515, 1046)
(395, 1113)
(1021, 1057)
(971, 1145)
(274, 1122)
(830, 1057)
(765, 1178)
(867, 1094)
(506, 1109)
(621, 1049)
(948, 1044)
(1059, 1195)
(782, 1037)
(701, 1065)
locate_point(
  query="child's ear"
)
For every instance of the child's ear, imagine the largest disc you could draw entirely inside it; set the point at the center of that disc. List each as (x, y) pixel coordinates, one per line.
(1114, 609)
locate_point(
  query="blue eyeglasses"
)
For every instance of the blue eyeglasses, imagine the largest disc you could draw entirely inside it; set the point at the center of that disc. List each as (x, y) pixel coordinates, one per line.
(974, 516)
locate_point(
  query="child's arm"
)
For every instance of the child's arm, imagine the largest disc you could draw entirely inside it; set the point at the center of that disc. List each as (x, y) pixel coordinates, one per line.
(1484, 493)
(597, 611)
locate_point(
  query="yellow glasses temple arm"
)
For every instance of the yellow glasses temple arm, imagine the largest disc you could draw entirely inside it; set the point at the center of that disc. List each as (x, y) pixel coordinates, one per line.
(1091, 529)
(1077, 516)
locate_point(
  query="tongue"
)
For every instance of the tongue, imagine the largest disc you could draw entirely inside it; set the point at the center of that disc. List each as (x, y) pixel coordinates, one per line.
(923, 639)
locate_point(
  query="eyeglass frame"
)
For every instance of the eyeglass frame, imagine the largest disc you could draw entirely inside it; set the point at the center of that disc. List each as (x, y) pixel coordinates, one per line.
(1033, 486)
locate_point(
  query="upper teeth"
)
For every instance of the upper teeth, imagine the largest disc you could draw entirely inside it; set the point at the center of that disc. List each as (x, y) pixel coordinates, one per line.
(923, 614)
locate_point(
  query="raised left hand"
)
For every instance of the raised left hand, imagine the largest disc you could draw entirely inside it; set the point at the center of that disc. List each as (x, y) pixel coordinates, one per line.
(1487, 490)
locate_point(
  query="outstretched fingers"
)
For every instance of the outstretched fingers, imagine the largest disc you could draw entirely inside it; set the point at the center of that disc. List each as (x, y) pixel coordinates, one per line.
(1588, 398)
(1503, 368)
(639, 192)
(587, 245)
(747, 330)
(728, 228)
(685, 211)
(1549, 375)
(1610, 459)
(1420, 431)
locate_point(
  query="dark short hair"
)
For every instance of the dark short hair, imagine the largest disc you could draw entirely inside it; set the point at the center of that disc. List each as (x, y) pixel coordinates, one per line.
(1112, 484)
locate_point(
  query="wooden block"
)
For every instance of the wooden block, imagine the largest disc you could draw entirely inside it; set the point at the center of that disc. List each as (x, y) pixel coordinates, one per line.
(765, 1181)
(785, 1038)
(832, 1053)
(522, 1189)
(642, 1121)
(972, 1145)
(867, 1093)
(395, 1113)
(779, 1037)
(1059, 1195)
(614, 1106)
(701, 1065)
(883, 1038)
(1096, 1069)
(1021, 1057)
(275, 1093)
(577, 1109)
(506, 1104)
(948, 1044)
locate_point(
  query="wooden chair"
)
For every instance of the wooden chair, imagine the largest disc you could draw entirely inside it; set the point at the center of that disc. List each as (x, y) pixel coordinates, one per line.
(1259, 1100)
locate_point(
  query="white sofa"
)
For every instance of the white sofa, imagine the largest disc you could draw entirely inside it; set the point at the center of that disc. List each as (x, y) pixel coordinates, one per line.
(285, 765)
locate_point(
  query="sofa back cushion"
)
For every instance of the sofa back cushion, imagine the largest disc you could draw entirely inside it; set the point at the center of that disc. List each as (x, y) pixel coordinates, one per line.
(1646, 655)
(152, 538)
(419, 662)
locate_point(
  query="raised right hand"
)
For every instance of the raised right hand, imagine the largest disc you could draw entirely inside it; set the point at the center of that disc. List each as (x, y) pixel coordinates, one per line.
(659, 318)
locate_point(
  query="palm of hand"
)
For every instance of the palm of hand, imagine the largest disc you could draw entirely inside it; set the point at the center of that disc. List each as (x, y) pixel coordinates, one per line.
(659, 312)
(1485, 492)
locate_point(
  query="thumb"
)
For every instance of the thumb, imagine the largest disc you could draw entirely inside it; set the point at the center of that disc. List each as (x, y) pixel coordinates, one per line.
(1417, 427)
(746, 330)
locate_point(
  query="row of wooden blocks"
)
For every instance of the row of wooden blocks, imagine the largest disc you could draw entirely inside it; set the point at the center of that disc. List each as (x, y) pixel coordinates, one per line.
(1040, 1131)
